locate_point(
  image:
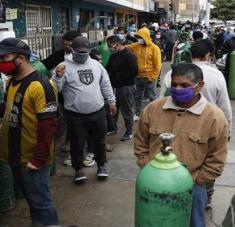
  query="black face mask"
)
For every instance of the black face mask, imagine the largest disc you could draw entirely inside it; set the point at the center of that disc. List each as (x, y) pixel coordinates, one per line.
(80, 58)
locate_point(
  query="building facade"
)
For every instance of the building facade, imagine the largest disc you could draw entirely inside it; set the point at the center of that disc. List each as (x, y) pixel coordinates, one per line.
(181, 10)
(42, 23)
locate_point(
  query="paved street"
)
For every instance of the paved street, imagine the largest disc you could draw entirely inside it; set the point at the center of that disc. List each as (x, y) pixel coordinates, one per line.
(111, 203)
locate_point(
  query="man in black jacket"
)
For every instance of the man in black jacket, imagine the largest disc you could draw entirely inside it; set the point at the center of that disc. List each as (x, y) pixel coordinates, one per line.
(51, 62)
(123, 68)
(58, 56)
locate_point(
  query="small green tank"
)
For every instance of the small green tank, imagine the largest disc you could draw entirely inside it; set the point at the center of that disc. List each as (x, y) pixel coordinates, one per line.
(231, 83)
(163, 191)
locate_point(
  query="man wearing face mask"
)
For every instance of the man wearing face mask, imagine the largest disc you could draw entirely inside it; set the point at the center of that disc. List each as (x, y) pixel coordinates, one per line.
(214, 90)
(124, 36)
(29, 126)
(85, 84)
(122, 68)
(58, 56)
(201, 131)
(149, 63)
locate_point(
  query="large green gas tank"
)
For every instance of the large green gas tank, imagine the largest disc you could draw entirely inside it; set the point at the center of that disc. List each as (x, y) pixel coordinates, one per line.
(231, 83)
(163, 191)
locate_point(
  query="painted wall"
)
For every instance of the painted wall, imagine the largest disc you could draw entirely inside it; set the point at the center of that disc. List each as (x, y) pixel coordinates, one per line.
(20, 23)
(74, 9)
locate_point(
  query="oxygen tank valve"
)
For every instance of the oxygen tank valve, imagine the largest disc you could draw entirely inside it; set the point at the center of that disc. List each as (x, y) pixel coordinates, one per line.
(166, 139)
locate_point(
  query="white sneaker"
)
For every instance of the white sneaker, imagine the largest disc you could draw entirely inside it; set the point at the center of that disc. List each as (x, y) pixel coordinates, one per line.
(89, 160)
(68, 161)
(136, 117)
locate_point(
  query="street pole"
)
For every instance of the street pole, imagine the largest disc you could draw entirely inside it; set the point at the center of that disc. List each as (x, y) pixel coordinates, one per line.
(193, 11)
(208, 7)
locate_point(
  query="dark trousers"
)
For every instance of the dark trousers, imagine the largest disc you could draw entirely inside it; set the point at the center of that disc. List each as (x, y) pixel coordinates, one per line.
(125, 99)
(168, 50)
(143, 85)
(82, 124)
(111, 122)
(34, 186)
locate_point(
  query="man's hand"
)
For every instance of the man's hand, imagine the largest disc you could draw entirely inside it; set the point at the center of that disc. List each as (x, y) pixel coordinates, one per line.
(60, 70)
(30, 166)
(112, 109)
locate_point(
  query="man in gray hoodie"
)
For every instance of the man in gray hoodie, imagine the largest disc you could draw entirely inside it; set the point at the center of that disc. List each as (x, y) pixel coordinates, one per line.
(85, 84)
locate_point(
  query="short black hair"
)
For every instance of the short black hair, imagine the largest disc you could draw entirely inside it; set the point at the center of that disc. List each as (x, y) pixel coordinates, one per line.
(201, 48)
(70, 35)
(121, 29)
(114, 39)
(94, 53)
(189, 70)
(197, 35)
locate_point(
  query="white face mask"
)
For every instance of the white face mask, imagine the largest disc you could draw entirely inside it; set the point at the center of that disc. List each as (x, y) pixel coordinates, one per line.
(158, 36)
(141, 41)
(121, 36)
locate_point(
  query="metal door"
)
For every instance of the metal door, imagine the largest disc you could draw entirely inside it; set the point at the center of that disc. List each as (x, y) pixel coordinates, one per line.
(39, 29)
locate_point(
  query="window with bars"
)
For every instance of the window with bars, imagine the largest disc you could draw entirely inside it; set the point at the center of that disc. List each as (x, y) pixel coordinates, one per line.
(39, 29)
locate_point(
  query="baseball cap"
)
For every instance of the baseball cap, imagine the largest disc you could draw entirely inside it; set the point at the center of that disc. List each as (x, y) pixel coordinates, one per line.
(81, 44)
(14, 46)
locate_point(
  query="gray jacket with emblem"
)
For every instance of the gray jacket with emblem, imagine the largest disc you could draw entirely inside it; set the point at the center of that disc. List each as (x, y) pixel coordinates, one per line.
(84, 86)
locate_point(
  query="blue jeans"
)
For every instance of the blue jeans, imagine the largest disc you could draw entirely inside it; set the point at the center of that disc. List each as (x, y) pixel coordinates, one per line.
(198, 206)
(143, 85)
(34, 186)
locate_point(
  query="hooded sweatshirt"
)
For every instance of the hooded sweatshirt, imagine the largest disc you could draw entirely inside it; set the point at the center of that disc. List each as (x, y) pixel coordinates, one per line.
(148, 56)
(84, 86)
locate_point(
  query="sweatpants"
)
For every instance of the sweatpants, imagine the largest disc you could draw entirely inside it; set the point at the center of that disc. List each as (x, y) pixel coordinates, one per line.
(82, 124)
(143, 85)
(124, 101)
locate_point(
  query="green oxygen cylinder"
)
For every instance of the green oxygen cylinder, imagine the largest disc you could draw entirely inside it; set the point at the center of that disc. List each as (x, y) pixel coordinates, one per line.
(163, 191)
(231, 84)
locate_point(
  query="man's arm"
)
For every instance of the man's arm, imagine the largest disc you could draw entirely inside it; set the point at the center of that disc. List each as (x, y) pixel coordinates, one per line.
(107, 91)
(213, 165)
(46, 130)
(45, 104)
(223, 102)
(58, 76)
(141, 140)
(106, 87)
(165, 84)
(132, 64)
(157, 61)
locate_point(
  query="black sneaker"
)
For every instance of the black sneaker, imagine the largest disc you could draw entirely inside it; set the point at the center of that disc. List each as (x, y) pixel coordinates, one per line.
(80, 177)
(102, 172)
(126, 136)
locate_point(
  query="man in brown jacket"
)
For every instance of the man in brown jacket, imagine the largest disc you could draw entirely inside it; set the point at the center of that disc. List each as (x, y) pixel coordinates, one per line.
(200, 128)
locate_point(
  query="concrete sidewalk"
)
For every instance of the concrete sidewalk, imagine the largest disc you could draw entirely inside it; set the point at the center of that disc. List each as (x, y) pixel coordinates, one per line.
(111, 203)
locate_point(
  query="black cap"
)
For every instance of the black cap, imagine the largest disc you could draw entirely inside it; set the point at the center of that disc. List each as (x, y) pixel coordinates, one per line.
(81, 44)
(14, 46)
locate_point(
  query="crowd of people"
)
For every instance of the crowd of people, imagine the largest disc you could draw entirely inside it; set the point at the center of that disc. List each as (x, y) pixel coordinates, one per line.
(93, 85)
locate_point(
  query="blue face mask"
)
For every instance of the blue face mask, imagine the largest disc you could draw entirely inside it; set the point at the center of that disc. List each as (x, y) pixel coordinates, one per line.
(80, 58)
(183, 95)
